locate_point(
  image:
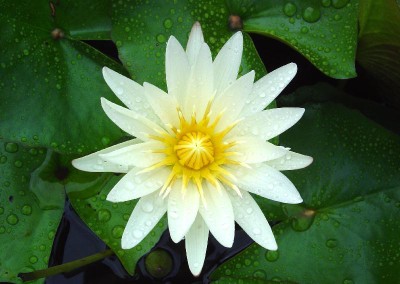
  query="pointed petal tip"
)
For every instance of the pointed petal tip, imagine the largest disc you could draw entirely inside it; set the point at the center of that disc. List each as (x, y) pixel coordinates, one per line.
(195, 270)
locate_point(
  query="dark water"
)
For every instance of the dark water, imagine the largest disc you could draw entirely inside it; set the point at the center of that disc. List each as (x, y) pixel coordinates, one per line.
(74, 240)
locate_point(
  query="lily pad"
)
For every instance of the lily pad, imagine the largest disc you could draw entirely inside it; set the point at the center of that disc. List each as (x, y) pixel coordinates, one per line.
(379, 45)
(50, 82)
(31, 207)
(87, 193)
(346, 229)
(141, 30)
(325, 32)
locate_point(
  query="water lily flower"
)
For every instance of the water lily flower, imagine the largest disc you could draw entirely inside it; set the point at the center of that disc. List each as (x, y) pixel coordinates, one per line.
(201, 148)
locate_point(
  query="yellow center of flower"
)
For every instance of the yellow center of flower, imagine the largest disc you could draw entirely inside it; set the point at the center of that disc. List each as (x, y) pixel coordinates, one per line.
(195, 150)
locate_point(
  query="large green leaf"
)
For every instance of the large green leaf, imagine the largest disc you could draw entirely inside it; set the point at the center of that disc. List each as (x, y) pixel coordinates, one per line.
(379, 45)
(346, 231)
(325, 32)
(87, 193)
(141, 30)
(85, 20)
(50, 83)
(31, 206)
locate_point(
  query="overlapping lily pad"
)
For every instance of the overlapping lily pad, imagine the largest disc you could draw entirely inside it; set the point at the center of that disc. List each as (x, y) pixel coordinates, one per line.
(31, 206)
(346, 230)
(51, 83)
(325, 32)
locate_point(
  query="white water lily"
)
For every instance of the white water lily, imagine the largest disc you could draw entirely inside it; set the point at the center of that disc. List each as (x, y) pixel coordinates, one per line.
(200, 149)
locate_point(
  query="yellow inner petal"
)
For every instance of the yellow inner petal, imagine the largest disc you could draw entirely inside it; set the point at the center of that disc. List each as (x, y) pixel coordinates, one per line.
(196, 152)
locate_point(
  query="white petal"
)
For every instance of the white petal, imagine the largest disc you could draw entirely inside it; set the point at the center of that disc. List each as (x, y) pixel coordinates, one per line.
(201, 84)
(268, 88)
(148, 211)
(254, 150)
(182, 210)
(164, 105)
(133, 186)
(196, 245)
(232, 100)
(252, 220)
(129, 92)
(177, 69)
(129, 121)
(267, 182)
(94, 163)
(268, 123)
(195, 42)
(138, 155)
(218, 215)
(227, 62)
(291, 161)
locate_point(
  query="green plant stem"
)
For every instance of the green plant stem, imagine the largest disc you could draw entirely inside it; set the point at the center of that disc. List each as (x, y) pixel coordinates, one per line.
(65, 267)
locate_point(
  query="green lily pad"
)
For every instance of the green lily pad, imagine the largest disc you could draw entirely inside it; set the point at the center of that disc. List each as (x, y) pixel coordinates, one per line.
(325, 32)
(346, 231)
(87, 193)
(141, 30)
(51, 83)
(31, 207)
(379, 45)
(84, 20)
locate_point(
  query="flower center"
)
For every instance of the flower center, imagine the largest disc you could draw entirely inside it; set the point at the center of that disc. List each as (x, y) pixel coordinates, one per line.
(195, 150)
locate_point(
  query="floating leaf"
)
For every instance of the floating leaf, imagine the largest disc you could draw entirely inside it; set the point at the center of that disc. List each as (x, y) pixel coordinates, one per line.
(31, 207)
(87, 193)
(141, 30)
(379, 45)
(325, 32)
(346, 226)
(51, 83)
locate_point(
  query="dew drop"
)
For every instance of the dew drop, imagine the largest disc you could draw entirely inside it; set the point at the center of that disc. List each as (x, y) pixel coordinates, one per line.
(161, 38)
(26, 210)
(3, 159)
(249, 210)
(348, 281)
(11, 147)
(326, 3)
(256, 231)
(18, 164)
(117, 231)
(259, 274)
(304, 30)
(289, 9)
(137, 234)
(339, 3)
(2, 230)
(167, 23)
(272, 255)
(331, 243)
(12, 219)
(33, 152)
(311, 15)
(103, 215)
(33, 259)
(147, 207)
